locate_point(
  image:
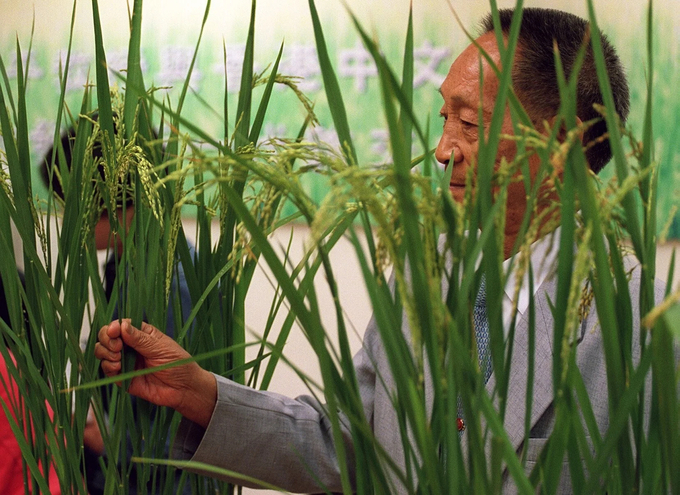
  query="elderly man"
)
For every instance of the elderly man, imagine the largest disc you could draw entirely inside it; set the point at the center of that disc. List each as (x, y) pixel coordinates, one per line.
(286, 442)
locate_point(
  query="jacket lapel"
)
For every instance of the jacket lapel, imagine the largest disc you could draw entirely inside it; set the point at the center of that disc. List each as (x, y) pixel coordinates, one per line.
(517, 386)
(542, 395)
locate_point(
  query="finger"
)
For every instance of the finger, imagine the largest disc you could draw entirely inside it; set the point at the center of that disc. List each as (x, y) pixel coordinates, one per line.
(106, 354)
(103, 334)
(114, 344)
(110, 331)
(111, 368)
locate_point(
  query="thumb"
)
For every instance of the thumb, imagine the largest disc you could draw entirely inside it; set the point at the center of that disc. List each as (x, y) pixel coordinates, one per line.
(140, 340)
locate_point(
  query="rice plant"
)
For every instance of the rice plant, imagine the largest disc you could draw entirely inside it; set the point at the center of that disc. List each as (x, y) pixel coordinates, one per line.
(136, 163)
(412, 225)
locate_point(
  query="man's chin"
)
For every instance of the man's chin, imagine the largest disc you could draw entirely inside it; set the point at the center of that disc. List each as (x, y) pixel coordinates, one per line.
(457, 193)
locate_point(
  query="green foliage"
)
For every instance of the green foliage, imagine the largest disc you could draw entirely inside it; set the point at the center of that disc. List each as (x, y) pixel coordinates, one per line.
(412, 224)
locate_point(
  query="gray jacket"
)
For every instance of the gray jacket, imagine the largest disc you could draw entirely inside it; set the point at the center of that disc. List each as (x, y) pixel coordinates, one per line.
(288, 443)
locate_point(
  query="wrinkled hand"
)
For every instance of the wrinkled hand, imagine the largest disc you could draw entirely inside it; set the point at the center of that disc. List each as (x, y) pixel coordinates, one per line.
(186, 388)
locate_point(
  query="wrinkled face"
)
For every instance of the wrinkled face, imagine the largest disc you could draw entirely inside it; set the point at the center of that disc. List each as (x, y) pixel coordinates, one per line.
(459, 143)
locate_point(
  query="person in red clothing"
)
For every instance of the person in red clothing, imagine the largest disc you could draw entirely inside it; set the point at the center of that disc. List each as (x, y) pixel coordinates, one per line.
(11, 467)
(11, 462)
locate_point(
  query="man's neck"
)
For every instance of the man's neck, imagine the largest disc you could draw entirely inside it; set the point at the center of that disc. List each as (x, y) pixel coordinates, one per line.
(544, 220)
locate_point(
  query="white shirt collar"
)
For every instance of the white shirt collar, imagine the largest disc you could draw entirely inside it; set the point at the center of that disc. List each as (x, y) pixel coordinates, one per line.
(543, 258)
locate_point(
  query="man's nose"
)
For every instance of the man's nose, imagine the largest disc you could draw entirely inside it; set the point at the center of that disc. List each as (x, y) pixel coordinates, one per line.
(448, 146)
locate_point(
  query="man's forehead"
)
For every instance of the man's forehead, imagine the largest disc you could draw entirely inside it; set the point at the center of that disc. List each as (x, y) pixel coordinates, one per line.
(476, 54)
(470, 69)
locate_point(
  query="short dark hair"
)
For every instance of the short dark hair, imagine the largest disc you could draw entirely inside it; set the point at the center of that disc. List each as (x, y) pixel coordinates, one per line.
(4, 307)
(67, 142)
(4, 310)
(52, 156)
(535, 79)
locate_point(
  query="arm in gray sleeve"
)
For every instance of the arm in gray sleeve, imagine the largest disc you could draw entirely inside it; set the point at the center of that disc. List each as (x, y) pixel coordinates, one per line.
(272, 438)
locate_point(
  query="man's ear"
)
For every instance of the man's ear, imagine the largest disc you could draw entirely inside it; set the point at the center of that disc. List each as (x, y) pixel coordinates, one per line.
(562, 133)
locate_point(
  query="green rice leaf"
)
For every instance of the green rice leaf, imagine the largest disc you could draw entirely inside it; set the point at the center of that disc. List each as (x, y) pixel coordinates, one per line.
(333, 93)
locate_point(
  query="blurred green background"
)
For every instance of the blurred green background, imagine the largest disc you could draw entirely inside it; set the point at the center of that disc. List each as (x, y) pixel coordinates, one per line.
(171, 28)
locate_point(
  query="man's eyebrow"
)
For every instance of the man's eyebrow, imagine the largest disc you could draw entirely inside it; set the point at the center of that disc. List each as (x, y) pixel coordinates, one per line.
(460, 100)
(456, 98)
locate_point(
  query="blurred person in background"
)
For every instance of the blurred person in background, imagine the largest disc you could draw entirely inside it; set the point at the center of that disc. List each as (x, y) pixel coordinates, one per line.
(11, 459)
(106, 239)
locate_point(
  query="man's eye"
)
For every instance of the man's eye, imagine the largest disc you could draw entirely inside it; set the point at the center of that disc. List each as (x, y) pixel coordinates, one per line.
(469, 124)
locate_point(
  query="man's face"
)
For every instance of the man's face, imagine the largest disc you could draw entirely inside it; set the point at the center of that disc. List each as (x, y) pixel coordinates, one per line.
(459, 143)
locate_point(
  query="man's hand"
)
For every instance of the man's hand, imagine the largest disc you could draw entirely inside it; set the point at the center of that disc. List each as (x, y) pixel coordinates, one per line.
(187, 388)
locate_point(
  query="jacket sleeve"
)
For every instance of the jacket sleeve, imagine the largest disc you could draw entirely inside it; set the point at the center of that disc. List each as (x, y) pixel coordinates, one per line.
(264, 436)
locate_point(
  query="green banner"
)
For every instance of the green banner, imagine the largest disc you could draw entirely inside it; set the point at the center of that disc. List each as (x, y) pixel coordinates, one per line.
(171, 30)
